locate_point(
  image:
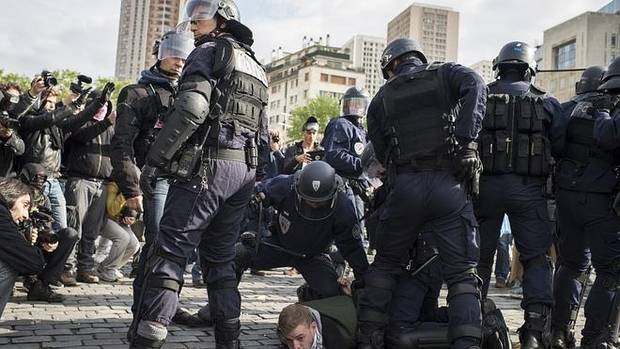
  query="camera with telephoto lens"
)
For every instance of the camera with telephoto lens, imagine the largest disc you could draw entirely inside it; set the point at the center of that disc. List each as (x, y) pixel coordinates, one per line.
(48, 79)
(78, 87)
(127, 212)
(40, 219)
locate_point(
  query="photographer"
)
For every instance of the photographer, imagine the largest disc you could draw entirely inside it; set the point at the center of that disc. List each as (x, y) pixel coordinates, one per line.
(41, 220)
(17, 254)
(45, 130)
(88, 169)
(276, 158)
(11, 145)
(296, 156)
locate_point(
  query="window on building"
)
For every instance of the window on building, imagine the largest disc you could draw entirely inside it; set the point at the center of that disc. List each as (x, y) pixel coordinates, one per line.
(306, 94)
(307, 77)
(274, 89)
(614, 40)
(352, 81)
(324, 77)
(565, 55)
(340, 80)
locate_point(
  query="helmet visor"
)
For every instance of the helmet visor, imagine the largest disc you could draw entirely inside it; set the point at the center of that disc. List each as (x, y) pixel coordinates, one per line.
(355, 106)
(197, 10)
(316, 210)
(177, 45)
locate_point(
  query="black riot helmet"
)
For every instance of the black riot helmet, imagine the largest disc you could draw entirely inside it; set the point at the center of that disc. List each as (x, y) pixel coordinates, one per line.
(316, 187)
(355, 102)
(590, 79)
(515, 54)
(195, 10)
(396, 49)
(611, 78)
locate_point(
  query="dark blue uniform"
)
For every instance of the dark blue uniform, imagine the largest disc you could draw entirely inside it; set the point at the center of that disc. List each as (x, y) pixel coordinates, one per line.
(310, 238)
(522, 198)
(426, 198)
(344, 141)
(586, 179)
(209, 207)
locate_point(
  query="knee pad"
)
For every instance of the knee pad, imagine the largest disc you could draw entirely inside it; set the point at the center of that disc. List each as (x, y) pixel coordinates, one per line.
(462, 288)
(152, 330)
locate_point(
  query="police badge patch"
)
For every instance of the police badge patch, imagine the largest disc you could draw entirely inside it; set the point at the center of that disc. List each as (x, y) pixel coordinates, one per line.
(316, 185)
(285, 224)
(359, 148)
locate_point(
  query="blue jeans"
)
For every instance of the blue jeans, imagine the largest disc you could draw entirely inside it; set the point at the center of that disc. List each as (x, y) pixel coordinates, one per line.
(7, 281)
(56, 195)
(502, 260)
(154, 210)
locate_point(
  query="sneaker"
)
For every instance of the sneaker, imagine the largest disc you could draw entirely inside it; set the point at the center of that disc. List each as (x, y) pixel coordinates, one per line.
(42, 292)
(88, 277)
(108, 276)
(500, 283)
(68, 279)
(56, 284)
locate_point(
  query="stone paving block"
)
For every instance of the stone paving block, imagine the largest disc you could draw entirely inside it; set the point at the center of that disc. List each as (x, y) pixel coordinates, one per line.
(62, 344)
(53, 332)
(110, 341)
(31, 339)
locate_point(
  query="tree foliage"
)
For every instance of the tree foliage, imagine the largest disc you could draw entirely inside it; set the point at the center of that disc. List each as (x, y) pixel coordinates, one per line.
(323, 108)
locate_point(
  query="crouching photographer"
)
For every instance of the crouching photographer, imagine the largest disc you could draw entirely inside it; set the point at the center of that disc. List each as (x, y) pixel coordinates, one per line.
(17, 254)
(55, 246)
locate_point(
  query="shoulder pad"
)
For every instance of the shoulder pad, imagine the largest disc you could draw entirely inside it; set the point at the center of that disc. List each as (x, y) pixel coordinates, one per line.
(434, 65)
(131, 93)
(537, 90)
(224, 58)
(244, 63)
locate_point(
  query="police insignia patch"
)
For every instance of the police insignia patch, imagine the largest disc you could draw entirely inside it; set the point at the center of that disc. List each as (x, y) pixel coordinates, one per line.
(359, 148)
(316, 185)
(285, 224)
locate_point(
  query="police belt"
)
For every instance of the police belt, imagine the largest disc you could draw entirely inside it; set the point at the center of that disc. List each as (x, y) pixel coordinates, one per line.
(225, 154)
(424, 165)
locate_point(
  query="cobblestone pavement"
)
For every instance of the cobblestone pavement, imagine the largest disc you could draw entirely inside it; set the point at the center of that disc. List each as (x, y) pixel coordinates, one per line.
(98, 316)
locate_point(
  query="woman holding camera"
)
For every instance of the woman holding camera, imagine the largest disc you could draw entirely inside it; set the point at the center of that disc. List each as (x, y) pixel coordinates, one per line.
(298, 154)
(18, 254)
(118, 229)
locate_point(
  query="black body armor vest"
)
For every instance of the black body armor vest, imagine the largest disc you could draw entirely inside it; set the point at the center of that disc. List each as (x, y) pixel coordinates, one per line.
(420, 120)
(513, 137)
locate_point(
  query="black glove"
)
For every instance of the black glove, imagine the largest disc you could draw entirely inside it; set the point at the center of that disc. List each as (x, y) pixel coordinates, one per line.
(467, 162)
(106, 94)
(79, 102)
(147, 180)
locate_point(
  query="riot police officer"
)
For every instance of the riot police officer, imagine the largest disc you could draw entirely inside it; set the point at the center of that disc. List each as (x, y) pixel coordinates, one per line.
(568, 280)
(209, 146)
(587, 180)
(312, 213)
(344, 141)
(428, 146)
(142, 108)
(516, 155)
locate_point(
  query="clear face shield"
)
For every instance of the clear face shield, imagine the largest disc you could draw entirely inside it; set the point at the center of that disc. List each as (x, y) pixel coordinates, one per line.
(316, 210)
(197, 10)
(355, 106)
(177, 45)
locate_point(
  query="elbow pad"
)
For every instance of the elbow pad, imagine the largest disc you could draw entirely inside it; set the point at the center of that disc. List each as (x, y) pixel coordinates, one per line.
(190, 110)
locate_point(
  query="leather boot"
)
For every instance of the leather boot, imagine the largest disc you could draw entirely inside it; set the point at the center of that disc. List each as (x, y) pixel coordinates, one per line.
(562, 338)
(227, 334)
(534, 334)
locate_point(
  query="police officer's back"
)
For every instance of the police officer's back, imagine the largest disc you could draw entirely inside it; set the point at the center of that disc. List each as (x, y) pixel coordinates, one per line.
(426, 143)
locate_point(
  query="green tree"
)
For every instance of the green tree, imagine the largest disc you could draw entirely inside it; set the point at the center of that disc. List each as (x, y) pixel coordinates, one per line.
(323, 108)
(21, 80)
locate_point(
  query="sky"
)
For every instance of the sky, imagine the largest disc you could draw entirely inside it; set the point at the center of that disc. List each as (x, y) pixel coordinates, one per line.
(82, 34)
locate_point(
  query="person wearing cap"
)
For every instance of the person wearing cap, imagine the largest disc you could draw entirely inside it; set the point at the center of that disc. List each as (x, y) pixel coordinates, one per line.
(213, 145)
(587, 182)
(429, 162)
(520, 123)
(296, 155)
